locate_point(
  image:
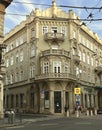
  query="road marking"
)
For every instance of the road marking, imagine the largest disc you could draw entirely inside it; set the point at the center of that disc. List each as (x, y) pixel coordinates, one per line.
(83, 123)
(49, 124)
(14, 127)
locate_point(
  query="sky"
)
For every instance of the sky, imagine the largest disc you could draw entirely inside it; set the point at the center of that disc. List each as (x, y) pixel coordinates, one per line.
(16, 12)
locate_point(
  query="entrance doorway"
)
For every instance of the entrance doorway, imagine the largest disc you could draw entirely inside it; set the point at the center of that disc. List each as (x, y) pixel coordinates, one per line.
(57, 102)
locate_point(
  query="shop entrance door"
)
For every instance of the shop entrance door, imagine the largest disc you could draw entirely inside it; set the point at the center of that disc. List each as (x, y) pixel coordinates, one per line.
(57, 102)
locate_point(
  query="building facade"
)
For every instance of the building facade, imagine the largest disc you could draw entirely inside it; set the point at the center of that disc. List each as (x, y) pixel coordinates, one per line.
(48, 56)
(3, 5)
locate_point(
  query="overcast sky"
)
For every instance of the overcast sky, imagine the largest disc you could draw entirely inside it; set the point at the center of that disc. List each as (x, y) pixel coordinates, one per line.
(24, 9)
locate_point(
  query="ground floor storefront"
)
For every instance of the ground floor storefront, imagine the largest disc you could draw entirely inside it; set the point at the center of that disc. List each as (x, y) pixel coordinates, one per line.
(52, 97)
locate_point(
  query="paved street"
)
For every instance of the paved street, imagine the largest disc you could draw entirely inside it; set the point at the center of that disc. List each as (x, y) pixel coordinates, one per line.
(60, 123)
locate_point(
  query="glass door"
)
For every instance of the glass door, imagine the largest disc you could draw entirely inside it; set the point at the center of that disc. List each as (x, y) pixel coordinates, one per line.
(57, 102)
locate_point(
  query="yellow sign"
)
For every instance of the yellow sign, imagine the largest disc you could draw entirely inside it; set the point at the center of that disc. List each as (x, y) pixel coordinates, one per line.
(77, 91)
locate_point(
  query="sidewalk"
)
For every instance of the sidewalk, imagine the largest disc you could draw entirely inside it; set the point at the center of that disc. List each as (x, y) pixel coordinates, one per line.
(4, 122)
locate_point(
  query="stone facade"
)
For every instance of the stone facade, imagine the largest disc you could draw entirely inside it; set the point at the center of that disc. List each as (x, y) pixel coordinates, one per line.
(3, 5)
(49, 55)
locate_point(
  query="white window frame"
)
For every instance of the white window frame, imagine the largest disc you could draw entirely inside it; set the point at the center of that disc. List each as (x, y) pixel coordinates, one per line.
(54, 29)
(46, 67)
(57, 67)
(44, 30)
(32, 50)
(63, 30)
(17, 58)
(12, 60)
(21, 55)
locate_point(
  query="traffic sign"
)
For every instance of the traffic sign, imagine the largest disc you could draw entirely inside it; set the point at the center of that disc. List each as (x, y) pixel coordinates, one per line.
(77, 91)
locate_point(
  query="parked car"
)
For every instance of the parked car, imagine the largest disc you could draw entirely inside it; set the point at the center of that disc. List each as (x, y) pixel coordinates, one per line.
(99, 111)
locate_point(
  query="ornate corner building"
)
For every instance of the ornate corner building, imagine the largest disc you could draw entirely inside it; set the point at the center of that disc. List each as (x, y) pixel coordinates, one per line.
(49, 55)
(3, 5)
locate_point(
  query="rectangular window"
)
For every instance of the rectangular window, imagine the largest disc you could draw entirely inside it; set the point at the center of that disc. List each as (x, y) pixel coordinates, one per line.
(57, 67)
(66, 68)
(7, 62)
(46, 67)
(63, 30)
(44, 29)
(11, 78)
(32, 71)
(17, 58)
(17, 42)
(32, 32)
(11, 60)
(54, 29)
(21, 55)
(32, 51)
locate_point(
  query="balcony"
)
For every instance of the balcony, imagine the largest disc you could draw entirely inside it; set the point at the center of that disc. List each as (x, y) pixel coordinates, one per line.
(98, 69)
(56, 76)
(76, 58)
(54, 37)
(55, 52)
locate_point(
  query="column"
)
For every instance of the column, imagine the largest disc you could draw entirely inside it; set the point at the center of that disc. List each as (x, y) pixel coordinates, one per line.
(52, 101)
(1, 99)
(71, 102)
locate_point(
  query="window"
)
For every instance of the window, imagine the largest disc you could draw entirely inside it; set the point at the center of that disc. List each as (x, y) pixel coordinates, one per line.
(57, 67)
(54, 47)
(80, 55)
(7, 62)
(32, 32)
(21, 39)
(11, 59)
(54, 29)
(32, 51)
(44, 29)
(17, 77)
(7, 48)
(97, 63)
(83, 56)
(32, 71)
(17, 100)
(21, 75)
(66, 68)
(92, 61)
(73, 51)
(74, 33)
(21, 55)
(46, 67)
(17, 42)
(17, 59)
(11, 46)
(63, 30)
(11, 78)
(88, 59)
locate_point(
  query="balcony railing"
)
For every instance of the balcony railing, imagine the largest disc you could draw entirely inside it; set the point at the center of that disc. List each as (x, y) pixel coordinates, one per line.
(55, 52)
(54, 37)
(56, 76)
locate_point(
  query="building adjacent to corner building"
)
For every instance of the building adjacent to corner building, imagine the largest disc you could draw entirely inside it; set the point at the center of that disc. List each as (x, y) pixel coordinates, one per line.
(3, 5)
(49, 55)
